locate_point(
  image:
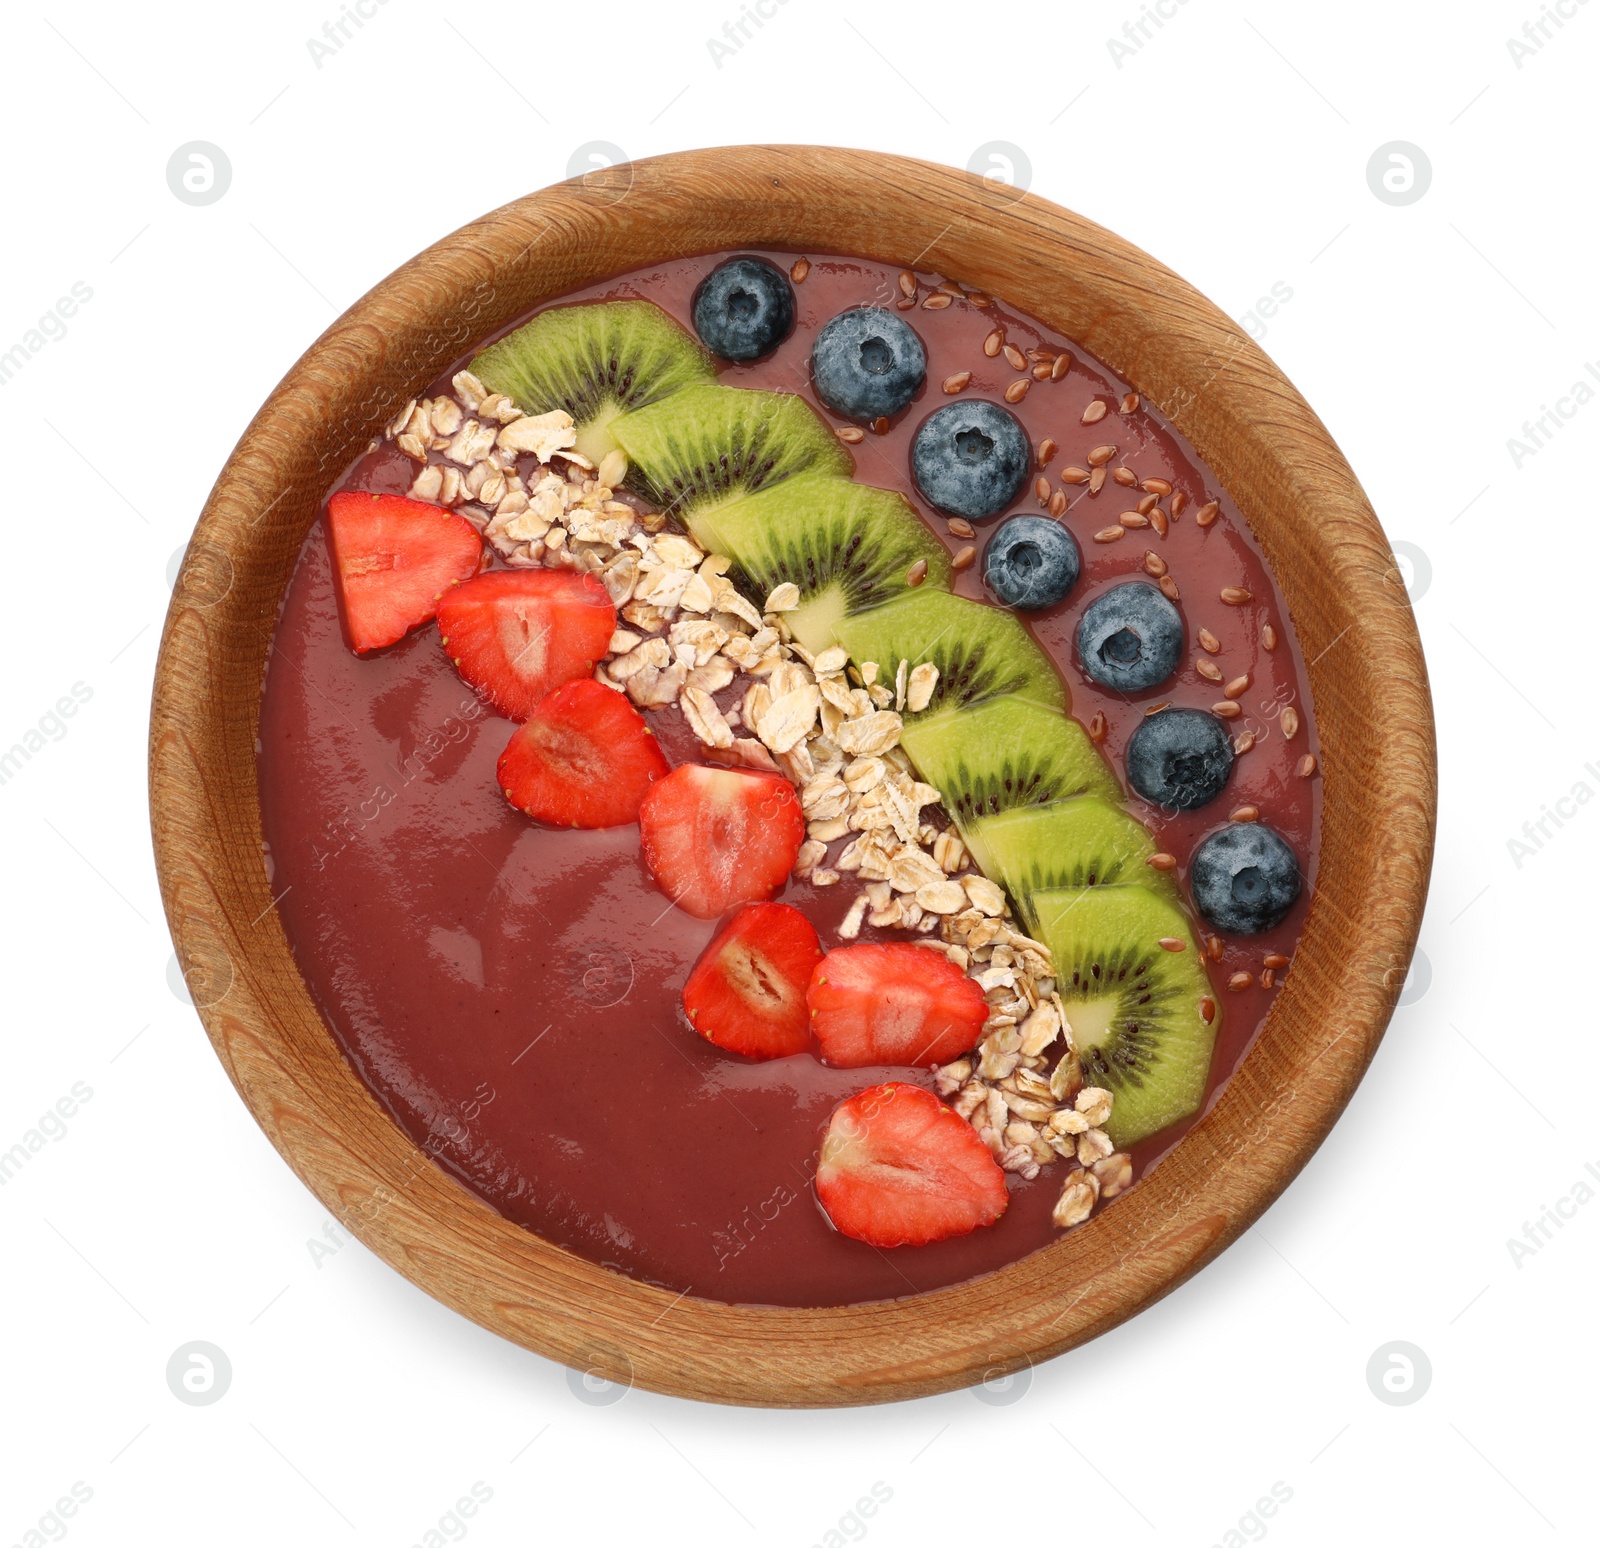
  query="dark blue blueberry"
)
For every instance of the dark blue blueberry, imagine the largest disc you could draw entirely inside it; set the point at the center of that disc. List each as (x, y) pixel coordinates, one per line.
(867, 363)
(1245, 878)
(1031, 561)
(971, 459)
(744, 309)
(1180, 758)
(1131, 638)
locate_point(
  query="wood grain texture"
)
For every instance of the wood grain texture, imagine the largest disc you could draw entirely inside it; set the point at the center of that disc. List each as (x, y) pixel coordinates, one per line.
(1259, 437)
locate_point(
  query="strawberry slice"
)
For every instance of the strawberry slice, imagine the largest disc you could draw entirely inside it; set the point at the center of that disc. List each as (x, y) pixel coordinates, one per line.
(893, 1004)
(747, 992)
(517, 635)
(583, 759)
(714, 838)
(392, 557)
(898, 1169)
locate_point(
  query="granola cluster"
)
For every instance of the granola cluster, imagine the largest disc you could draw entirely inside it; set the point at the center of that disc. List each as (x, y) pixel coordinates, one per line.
(750, 690)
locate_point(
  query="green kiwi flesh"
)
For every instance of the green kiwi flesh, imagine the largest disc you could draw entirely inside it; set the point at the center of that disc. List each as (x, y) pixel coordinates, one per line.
(848, 548)
(1085, 842)
(597, 362)
(982, 652)
(1134, 1007)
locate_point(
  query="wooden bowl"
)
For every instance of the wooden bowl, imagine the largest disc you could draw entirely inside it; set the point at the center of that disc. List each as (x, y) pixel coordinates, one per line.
(1258, 436)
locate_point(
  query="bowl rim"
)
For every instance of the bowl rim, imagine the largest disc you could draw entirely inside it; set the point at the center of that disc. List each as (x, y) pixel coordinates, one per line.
(1254, 432)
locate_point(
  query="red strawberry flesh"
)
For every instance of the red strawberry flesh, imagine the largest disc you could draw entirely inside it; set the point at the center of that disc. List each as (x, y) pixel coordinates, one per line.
(584, 759)
(392, 560)
(899, 1169)
(518, 635)
(747, 993)
(893, 1003)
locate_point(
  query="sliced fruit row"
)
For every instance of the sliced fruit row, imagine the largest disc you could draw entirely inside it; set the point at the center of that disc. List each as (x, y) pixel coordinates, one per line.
(759, 477)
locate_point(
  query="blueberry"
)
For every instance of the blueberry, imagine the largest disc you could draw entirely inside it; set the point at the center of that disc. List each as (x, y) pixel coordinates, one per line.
(971, 459)
(1031, 561)
(744, 309)
(1180, 758)
(1131, 638)
(867, 363)
(1245, 878)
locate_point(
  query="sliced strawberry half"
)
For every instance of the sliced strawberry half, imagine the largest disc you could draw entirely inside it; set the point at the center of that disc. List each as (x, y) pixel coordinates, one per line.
(392, 558)
(898, 1169)
(583, 759)
(893, 1004)
(517, 635)
(747, 992)
(715, 838)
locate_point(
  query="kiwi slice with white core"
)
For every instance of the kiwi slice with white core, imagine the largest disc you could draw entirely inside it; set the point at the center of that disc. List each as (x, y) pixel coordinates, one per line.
(596, 361)
(1003, 754)
(848, 547)
(1133, 1005)
(982, 652)
(1085, 842)
(706, 447)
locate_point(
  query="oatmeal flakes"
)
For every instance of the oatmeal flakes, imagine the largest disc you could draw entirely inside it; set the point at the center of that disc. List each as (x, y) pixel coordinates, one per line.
(644, 615)
(471, 443)
(788, 718)
(919, 688)
(941, 897)
(469, 389)
(427, 483)
(662, 586)
(1114, 1173)
(985, 896)
(704, 718)
(784, 598)
(850, 925)
(677, 551)
(542, 434)
(712, 676)
(696, 596)
(1094, 1102)
(1094, 1145)
(1077, 1199)
(874, 733)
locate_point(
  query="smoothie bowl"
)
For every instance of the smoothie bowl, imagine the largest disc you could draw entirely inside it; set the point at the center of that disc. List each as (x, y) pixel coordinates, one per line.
(791, 777)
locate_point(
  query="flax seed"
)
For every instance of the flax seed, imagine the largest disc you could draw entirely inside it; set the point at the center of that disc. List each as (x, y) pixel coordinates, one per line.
(1097, 481)
(1133, 519)
(1018, 390)
(917, 573)
(1158, 520)
(1074, 475)
(1243, 742)
(799, 269)
(963, 557)
(1097, 727)
(1058, 504)
(1226, 710)
(1060, 366)
(1041, 490)
(1209, 642)
(1130, 402)
(1275, 960)
(1208, 1009)
(1214, 947)
(1046, 452)
(905, 303)
(1101, 455)
(1235, 596)
(1039, 352)
(1092, 415)
(1154, 564)
(1161, 862)
(961, 527)
(1147, 504)
(977, 298)
(1178, 502)
(952, 289)
(850, 434)
(1289, 721)
(1156, 486)
(1235, 689)
(993, 343)
(1208, 669)
(1267, 978)
(937, 302)
(1156, 709)
(1014, 357)
(880, 426)
(1206, 514)
(1307, 766)
(1172, 943)
(1169, 588)
(1041, 372)
(958, 382)
(1110, 534)
(1124, 476)
(908, 283)
(1245, 814)
(1269, 637)
(1240, 981)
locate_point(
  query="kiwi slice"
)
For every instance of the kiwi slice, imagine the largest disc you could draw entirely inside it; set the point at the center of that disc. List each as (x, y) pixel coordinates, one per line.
(1134, 1007)
(981, 651)
(1086, 842)
(707, 446)
(596, 361)
(847, 546)
(1002, 754)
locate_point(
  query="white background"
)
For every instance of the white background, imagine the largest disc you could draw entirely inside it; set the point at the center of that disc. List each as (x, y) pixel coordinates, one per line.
(1233, 145)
